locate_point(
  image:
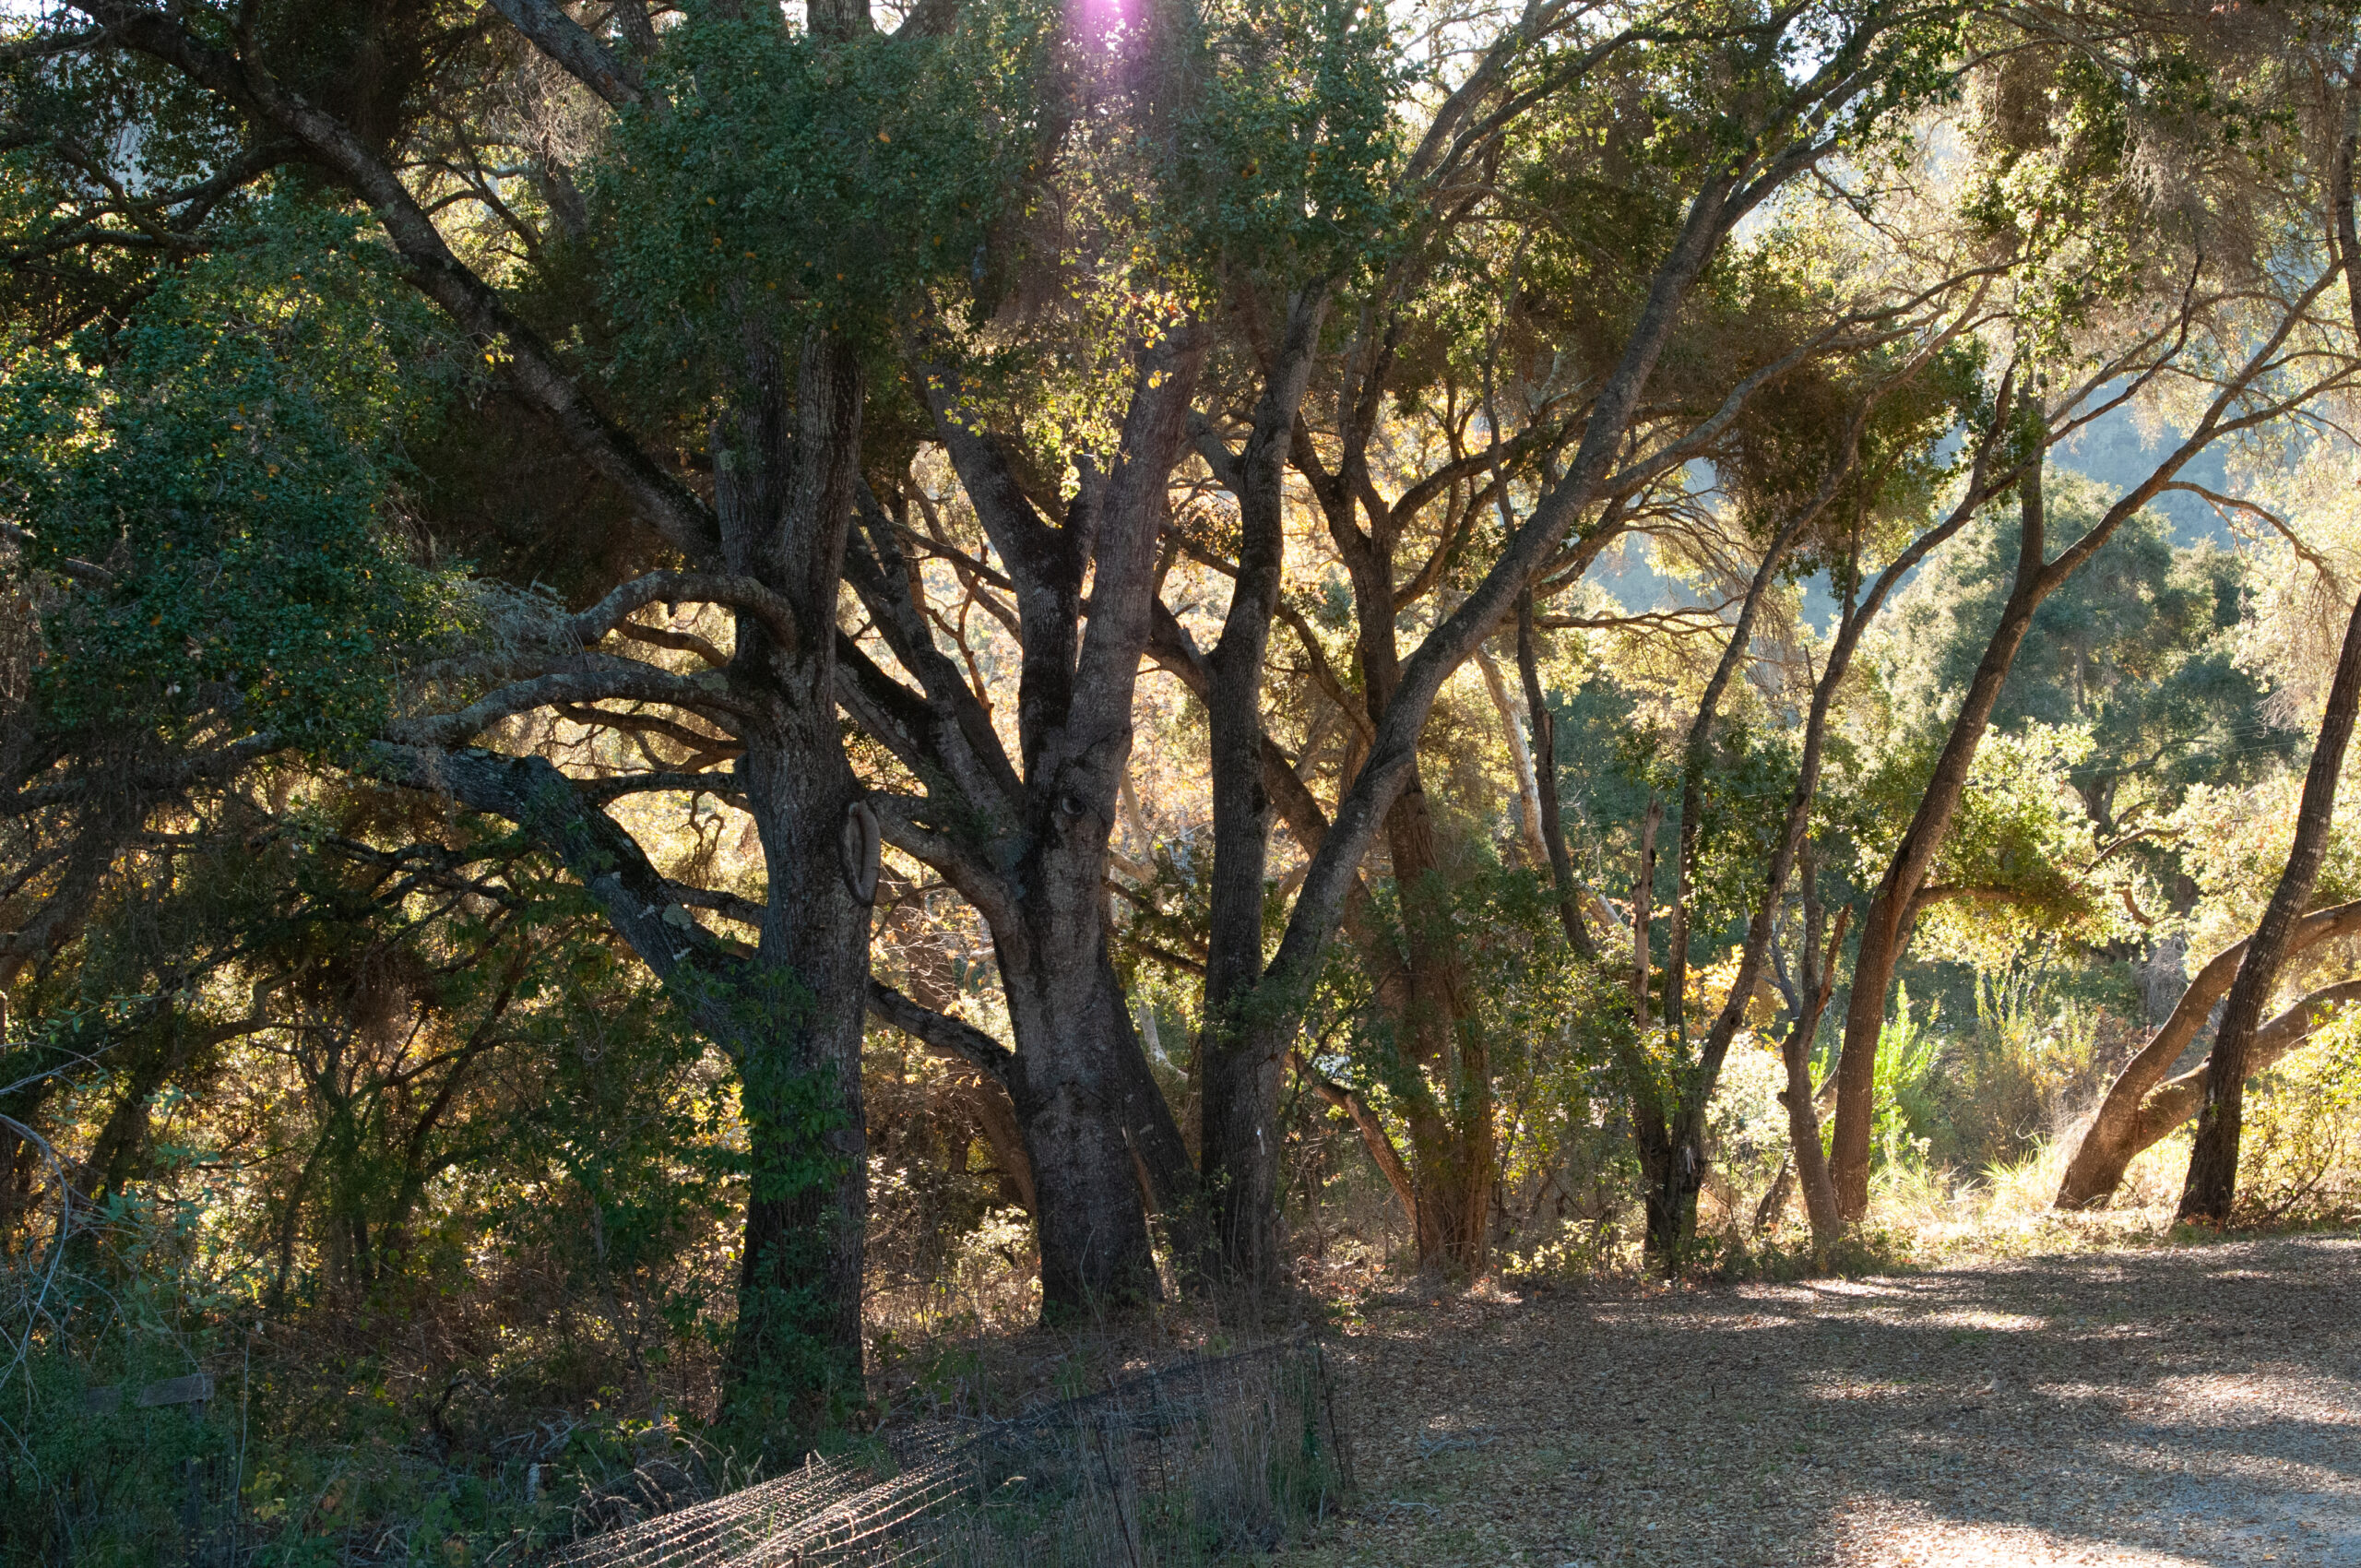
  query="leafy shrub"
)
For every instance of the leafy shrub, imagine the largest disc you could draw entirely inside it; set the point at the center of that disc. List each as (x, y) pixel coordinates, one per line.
(2300, 1152)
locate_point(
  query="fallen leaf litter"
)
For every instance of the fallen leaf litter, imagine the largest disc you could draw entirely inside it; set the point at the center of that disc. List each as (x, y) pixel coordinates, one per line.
(2165, 1406)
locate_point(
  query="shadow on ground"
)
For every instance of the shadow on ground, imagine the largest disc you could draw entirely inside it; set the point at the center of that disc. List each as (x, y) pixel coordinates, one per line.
(2191, 1405)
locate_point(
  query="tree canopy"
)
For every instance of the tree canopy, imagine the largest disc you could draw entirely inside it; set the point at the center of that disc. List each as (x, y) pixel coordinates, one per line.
(682, 656)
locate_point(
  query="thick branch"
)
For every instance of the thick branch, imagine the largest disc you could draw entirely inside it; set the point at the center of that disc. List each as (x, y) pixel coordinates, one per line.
(944, 1032)
(743, 594)
(638, 683)
(582, 56)
(2096, 1168)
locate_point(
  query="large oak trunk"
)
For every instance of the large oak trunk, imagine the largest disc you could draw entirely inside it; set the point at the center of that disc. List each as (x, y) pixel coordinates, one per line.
(1445, 1073)
(1100, 1137)
(798, 1061)
(784, 482)
(1239, 1064)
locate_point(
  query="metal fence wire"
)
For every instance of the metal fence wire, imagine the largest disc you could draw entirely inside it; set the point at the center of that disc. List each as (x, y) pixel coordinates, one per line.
(1168, 1465)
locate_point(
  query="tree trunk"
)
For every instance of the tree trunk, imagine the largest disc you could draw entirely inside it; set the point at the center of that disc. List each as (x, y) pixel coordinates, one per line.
(1651, 1133)
(1451, 1154)
(1026, 839)
(2124, 1124)
(2176, 1099)
(1399, 708)
(1240, 1070)
(1819, 978)
(1528, 781)
(1388, 971)
(1072, 1029)
(784, 497)
(1545, 752)
(2212, 1188)
(1883, 930)
(1672, 1209)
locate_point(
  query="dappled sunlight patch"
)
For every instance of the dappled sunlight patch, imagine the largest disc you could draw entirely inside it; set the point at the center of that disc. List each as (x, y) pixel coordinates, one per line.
(1932, 1542)
(2158, 1416)
(1845, 1388)
(2299, 1394)
(1854, 1288)
(1984, 1319)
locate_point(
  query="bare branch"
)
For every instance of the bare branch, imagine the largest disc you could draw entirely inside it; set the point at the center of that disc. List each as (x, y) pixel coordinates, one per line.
(632, 683)
(944, 1032)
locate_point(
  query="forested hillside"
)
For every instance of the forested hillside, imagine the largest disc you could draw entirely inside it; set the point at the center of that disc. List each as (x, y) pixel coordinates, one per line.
(712, 716)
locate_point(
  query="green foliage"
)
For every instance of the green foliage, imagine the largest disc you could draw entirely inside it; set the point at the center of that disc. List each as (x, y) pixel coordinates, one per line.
(2298, 1148)
(2140, 645)
(227, 461)
(790, 182)
(470, 1166)
(2029, 1065)
(1902, 1108)
(1287, 151)
(2060, 165)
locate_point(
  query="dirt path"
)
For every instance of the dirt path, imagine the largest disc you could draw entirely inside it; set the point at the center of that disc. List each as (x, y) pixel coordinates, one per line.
(2190, 1406)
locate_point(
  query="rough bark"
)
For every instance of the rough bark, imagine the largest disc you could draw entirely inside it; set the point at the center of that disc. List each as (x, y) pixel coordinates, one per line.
(784, 483)
(1026, 839)
(1452, 1156)
(1239, 1077)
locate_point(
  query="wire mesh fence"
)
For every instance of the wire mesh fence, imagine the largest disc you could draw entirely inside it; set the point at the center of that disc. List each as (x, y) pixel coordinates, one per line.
(1174, 1465)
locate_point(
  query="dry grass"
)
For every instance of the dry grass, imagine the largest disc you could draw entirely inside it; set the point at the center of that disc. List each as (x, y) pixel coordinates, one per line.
(2172, 1405)
(2007, 1212)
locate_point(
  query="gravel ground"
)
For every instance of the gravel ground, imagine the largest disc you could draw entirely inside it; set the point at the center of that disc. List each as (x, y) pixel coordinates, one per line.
(2196, 1405)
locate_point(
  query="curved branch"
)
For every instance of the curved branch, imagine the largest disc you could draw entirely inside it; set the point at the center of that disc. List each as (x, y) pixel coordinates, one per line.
(942, 1032)
(2177, 1098)
(963, 868)
(729, 905)
(743, 594)
(637, 900)
(638, 683)
(1380, 1148)
(721, 783)
(570, 44)
(703, 750)
(2098, 1164)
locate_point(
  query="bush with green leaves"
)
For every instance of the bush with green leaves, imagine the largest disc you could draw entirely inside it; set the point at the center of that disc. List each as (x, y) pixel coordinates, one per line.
(214, 488)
